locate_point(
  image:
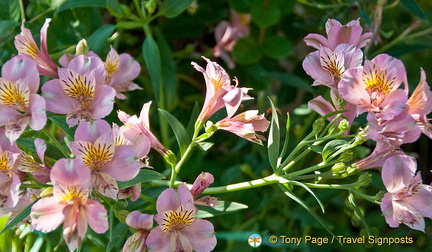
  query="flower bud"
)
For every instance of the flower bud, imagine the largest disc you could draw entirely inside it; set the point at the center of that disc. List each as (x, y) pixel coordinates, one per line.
(82, 47)
(318, 125)
(169, 157)
(338, 169)
(343, 125)
(121, 215)
(364, 179)
(150, 6)
(346, 156)
(47, 192)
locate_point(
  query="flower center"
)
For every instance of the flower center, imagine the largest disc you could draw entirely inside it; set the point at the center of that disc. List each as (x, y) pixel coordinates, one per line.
(95, 156)
(12, 96)
(176, 220)
(332, 65)
(111, 66)
(4, 162)
(74, 195)
(79, 87)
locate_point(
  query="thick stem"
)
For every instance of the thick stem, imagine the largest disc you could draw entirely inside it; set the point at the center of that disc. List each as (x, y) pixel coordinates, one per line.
(272, 179)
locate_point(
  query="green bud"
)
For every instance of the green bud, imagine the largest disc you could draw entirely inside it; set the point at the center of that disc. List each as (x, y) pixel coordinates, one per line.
(150, 6)
(318, 125)
(46, 192)
(346, 156)
(82, 47)
(121, 215)
(334, 129)
(344, 125)
(364, 179)
(170, 158)
(210, 127)
(360, 137)
(338, 169)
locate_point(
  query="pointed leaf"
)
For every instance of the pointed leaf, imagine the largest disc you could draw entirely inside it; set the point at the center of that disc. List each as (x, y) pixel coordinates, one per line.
(61, 122)
(287, 134)
(114, 8)
(193, 117)
(99, 38)
(180, 133)
(311, 192)
(224, 207)
(273, 141)
(172, 8)
(359, 213)
(21, 216)
(332, 146)
(145, 175)
(414, 8)
(70, 4)
(153, 62)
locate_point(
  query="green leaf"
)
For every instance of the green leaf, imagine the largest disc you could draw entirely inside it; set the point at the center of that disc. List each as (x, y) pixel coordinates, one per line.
(287, 134)
(273, 141)
(246, 51)
(414, 8)
(114, 8)
(205, 146)
(99, 38)
(265, 13)
(70, 4)
(153, 62)
(311, 192)
(224, 207)
(145, 175)
(60, 121)
(128, 25)
(4, 10)
(292, 81)
(301, 203)
(359, 213)
(21, 216)
(333, 146)
(172, 8)
(276, 47)
(14, 10)
(180, 133)
(168, 71)
(52, 151)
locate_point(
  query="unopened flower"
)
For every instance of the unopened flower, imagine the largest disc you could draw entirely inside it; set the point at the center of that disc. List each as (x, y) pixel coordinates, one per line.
(337, 34)
(374, 87)
(121, 70)
(219, 91)
(26, 45)
(95, 145)
(202, 182)
(408, 201)
(245, 125)
(142, 223)
(227, 34)
(178, 228)
(70, 204)
(19, 104)
(81, 89)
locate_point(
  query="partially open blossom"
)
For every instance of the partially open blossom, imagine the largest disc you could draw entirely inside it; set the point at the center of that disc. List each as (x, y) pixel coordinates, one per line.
(245, 125)
(133, 191)
(408, 201)
(381, 152)
(219, 91)
(142, 223)
(26, 45)
(39, 170)
(227, 34)
(70, 204)
(178, 228)
(337, 33)
(95, 145)
(121, 70)
(374, 87)
(19, 104)
(81, 89)
(324, 107)
(9, 179)
(327, 66)
(202, 182)
(137, 130)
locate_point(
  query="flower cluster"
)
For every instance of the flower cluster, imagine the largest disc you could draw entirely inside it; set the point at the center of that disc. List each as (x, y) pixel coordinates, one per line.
(394, 118)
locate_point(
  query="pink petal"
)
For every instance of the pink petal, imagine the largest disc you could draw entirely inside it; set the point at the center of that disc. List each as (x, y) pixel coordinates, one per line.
(393, 104)
(160, 241)
(316, 40)
(90, 131)
(312, 66)
(47, 214)
(321, 106)
(201, 234)
(105, 184)
(83, 64)
(22, 68)
(421, 200)
(138, 220)
(103, 101)
(397, 172)
(38, 112)
(96, 216)
(124, 164)
(387, 210)
(201, 183)
(75, 226)
(53, 93)
(70, 172)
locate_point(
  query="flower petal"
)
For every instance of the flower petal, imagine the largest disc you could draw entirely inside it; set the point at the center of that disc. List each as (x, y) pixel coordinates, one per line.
(47, 214)
(96, 216)
(201, 235)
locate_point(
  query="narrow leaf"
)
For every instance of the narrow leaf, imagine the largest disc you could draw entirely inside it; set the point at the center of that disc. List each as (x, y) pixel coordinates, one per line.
(145, 175)
(193, 117)
(180, 133)
(359, 213)
(153, 62)
(311, 192)
(273, 139)
(52, 151)
(80, 3)
(224, 207)
(287, 134)
(21, 216)
(414, 8)
(331, 147)
(99, 38)
(114, 8)
(60, 121)
(172, 8)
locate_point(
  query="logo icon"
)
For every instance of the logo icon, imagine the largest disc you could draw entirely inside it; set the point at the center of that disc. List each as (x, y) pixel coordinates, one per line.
(254, 240)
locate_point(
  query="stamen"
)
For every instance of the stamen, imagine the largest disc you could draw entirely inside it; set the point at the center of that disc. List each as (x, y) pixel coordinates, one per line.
(176, 220)
(73, 194)
(95, 156)
(79, 87)
(12, 96)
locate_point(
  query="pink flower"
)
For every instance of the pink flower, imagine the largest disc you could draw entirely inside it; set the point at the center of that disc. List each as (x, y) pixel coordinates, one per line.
(381, 152)
(407, 200)
(26, 45)
(374, 87)
(70, 204)
(137, 130)
(219, 91)
(19, 104)
(337, 34)
(82, 91)
(202, 182)
(40, 171)
(143, 223)
(95, 145)
(324, 107)
(134, 191)
(178, 228)
(245, 125)
(121, 70)
(327, 66)
(227, 34)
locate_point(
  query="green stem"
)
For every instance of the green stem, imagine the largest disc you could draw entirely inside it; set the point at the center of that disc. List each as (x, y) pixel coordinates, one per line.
(272, 179)
(55, 142)
(311, 169)
(332, 186)
(371, 198)
(22, 10)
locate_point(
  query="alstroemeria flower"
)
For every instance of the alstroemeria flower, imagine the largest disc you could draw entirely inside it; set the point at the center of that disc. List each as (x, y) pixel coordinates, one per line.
(381, 152)
(374, 87)
(121, 70)
(178, 228)
(95, 145)
(9, 179)
(420, 105)
(324, 107)
(245, 125)
(227, 34)
(327, 66)
(19, 104)
(81, 89)
(70, 204)
(337, 34)
(408, 201)
(26, 45)
(137, 130)
(202, 182)
(143, 223)
(40, 171)
(219, 91)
